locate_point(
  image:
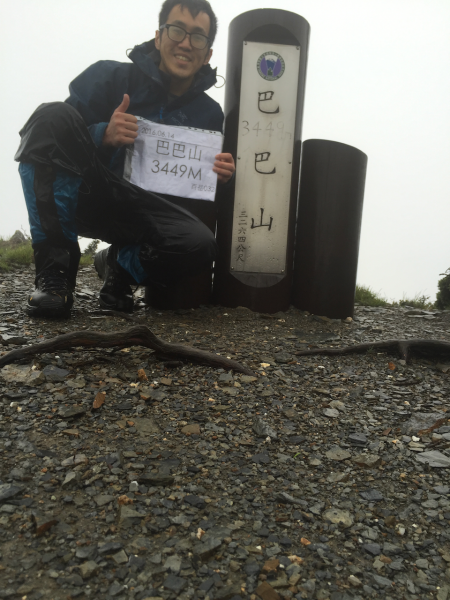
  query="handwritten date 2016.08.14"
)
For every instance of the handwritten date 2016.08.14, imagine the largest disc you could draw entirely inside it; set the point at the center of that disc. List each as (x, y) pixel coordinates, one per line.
(174, 170)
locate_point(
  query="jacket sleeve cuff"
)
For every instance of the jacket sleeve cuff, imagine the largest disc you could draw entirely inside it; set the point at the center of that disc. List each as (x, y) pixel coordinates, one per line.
(229, 183)
(97, 132)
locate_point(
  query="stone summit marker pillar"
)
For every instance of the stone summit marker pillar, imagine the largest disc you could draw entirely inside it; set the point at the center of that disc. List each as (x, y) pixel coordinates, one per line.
(266, 73)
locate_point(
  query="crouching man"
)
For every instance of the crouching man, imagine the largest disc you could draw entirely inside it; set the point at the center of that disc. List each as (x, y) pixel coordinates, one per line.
(72, 158)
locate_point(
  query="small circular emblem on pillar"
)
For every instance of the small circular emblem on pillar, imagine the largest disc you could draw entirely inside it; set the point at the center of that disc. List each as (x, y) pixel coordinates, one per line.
(270, 66)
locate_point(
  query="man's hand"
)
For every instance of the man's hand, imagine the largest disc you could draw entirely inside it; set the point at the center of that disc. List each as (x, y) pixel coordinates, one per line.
(122, 128)
(224, 167)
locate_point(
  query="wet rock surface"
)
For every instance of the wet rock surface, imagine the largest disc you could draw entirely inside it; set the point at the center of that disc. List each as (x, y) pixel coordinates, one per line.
(316, 478)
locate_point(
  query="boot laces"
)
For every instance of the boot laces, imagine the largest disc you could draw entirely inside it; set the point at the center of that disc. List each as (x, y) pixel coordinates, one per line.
(53, 281)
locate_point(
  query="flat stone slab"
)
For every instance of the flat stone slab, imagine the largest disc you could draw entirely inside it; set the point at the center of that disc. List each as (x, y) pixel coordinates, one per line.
(127, 512)
(263, 429)
(372, 495)
(103, 499)
(55, 374)
(434, 458)
(205, 549)
(22, 374)
(193, 429)
(66, 412)
(331, 412)
(150, 393)
(420, 421)
(339, 517)
(156, 479)
(12, 340)
(338, 454)
(77, 383)
(145, 426)
(9, 490)
(73, 461)
(368, 461)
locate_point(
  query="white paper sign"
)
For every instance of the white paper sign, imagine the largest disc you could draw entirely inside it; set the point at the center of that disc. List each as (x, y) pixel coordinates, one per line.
(174, 160)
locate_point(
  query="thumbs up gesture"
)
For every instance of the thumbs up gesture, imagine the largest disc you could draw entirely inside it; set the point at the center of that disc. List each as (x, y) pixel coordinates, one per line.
(122, 128)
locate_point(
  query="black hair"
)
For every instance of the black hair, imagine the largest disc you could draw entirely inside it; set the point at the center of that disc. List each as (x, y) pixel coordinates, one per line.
(194, 7)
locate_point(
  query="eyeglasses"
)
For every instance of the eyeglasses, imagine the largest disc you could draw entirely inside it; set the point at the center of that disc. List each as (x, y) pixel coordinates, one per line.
(178, 34)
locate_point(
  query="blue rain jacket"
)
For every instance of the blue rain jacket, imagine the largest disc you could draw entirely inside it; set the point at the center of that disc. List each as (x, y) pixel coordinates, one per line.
(98, 91)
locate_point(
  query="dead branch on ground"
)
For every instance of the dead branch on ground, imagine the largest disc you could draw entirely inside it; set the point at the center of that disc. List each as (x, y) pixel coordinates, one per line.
(136, 336)
(403, 347)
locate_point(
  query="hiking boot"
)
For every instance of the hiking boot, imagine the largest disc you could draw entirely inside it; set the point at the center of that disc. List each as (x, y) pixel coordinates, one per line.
(116, 292)
(52, 297)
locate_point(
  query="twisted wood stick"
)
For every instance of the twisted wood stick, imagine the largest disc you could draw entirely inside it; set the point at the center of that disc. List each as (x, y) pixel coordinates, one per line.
(403, 347)
(135, 336)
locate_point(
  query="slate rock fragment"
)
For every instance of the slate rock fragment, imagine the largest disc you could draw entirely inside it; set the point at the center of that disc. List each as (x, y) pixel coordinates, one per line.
(263, 429)
(22, 374)
(156, 479)
(374, 549)
(55, 374)
(205, 549)
(103, 499)
(149, 393)
(420, 421)
(337, 453)
(261, 458)
(228, 592)
(145, 426)
(297, 439)
(382, 581)
(266, 592)
(12, 340)
(175, 584)
(195, 501)
(110, 548)
(357, 439)
(434, 458)
(115, 589)
(286, 498)
(372, 495)
(368, 461)
(67, 412)
(129, 514)
(331, 412)
(9, 490)
(339, 517)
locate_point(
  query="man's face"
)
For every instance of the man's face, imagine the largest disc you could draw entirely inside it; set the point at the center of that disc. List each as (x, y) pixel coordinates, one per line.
(180, 59)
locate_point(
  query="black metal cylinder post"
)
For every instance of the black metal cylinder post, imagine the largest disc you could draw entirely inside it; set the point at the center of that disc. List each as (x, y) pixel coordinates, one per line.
(266, 74)
(328, 228)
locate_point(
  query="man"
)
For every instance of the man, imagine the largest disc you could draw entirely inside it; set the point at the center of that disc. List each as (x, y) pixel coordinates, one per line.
(72, 157)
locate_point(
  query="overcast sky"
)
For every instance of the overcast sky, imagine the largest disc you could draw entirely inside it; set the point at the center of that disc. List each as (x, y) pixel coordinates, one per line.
(378, 79)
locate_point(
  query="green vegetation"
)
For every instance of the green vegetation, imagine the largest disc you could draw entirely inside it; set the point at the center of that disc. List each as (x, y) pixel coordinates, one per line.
(443, 295)
(365, 296)
(13, 256)
(17, 255)
(418, 301)
(87, 258)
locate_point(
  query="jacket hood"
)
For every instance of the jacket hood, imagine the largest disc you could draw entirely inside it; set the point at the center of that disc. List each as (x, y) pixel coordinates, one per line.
(147, 58)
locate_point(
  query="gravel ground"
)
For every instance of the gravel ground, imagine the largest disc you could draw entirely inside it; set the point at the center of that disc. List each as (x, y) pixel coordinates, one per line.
(309, 480)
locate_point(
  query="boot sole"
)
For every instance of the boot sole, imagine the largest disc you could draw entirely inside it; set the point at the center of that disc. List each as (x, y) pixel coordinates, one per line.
(52, 313)
(47, 310)
(119, 308)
